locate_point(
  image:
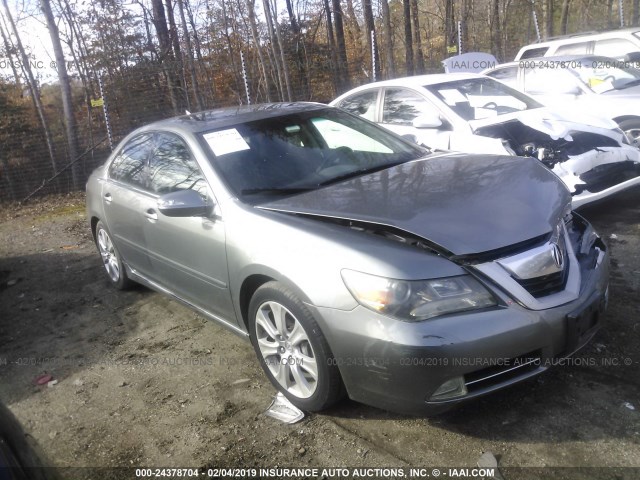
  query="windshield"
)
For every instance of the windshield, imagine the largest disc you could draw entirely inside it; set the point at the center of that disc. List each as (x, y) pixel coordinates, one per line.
(603, 73)
(303, 151)
(477, 98)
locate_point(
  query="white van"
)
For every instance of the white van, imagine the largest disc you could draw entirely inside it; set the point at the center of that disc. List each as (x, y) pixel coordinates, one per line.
(615, 44)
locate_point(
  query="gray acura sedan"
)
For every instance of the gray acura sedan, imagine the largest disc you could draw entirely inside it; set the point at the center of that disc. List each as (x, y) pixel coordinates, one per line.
(356, 262)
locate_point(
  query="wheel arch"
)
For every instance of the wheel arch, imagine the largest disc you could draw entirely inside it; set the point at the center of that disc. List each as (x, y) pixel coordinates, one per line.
(252, 282)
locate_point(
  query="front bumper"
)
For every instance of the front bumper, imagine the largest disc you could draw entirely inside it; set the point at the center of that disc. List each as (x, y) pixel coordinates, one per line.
(398, 365)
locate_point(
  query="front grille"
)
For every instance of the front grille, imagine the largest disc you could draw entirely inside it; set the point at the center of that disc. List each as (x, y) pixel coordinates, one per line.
(504, 371)
(547, 284)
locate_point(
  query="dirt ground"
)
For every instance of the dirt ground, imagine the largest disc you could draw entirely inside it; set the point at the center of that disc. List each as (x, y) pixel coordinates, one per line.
(144, 381)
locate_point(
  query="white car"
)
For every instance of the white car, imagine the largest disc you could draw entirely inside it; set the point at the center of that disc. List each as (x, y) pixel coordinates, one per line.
(622, 44)
(477, 114)
(589, 82)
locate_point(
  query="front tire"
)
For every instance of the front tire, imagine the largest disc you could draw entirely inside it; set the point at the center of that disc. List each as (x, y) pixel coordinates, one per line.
(292, 350)
(111, 258)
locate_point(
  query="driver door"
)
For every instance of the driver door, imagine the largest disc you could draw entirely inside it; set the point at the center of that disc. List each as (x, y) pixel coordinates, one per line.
(188, 254)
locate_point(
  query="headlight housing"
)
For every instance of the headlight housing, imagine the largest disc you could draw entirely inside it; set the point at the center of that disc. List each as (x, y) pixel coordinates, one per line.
(416, 300)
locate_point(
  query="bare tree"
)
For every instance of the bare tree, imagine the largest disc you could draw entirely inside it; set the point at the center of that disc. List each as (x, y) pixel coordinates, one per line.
(419, 58)
(65, 91)
(494, 26)
(251, 13)
(343, 69)
(564, 17)
(189, 58)
(33, 88)
(160, 22)
(370, 28)
(408, 45)
(388, 39)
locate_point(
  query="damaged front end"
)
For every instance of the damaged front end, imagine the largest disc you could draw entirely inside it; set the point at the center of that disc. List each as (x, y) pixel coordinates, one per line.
(592, 162)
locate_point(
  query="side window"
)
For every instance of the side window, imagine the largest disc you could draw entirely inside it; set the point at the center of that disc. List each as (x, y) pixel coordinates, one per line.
(614, 47)
(129, 166)
(173, 168)
(362, 104)
(534, 52)
(507, 75)
(578, 48)
(401, 107)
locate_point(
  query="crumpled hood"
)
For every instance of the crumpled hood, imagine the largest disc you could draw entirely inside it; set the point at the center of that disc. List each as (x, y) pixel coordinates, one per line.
(555, 124)
(466, 204)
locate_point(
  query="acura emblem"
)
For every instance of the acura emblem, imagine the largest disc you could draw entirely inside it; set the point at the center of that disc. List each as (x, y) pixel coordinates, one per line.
(558, 257)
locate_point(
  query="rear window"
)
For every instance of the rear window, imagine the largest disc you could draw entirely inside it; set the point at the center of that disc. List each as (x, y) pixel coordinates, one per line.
(577, 48)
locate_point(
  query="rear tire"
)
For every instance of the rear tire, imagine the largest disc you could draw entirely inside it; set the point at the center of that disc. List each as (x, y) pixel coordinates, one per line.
(111, 258)
(292, 350)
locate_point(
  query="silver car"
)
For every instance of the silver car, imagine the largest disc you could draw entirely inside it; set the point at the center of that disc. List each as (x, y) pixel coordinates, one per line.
(356, 262)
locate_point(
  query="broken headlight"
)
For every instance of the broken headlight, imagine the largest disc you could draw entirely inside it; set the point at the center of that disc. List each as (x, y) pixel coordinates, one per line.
(416, 300)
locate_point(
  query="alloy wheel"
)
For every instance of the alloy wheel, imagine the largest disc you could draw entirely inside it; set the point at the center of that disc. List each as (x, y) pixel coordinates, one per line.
(286, 349)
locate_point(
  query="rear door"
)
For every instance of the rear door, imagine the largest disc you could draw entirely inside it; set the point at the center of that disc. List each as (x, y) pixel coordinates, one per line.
(125, 200)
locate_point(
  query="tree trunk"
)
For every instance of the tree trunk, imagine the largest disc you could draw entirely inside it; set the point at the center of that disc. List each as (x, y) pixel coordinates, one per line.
(419, 59)
(332, 49)
(388, 39)
(408, 45)
(635, 15)
(33, 89)
(547, 18)
(160, 22)
(494, 26)
(343, 68)
(285, 64)
(464, 30)
(256, 40)
(274, 49)
(299, 45)
(449, 26)
(564, 18)
(65, 91)
(210, 84)
(370, 28)
(190, 65)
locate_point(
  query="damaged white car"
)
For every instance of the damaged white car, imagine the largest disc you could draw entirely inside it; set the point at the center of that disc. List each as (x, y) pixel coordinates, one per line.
(476, 114)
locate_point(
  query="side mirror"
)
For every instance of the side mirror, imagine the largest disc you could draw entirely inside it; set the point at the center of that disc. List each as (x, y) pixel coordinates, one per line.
(183, 203)
(427, 120)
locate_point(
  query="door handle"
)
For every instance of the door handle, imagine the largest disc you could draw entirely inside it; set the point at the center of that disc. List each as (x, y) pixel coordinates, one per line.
(151, 214)
(108, 198)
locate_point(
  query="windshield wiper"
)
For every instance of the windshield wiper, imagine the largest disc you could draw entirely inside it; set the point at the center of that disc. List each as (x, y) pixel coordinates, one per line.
(275, 191)
(358, 173)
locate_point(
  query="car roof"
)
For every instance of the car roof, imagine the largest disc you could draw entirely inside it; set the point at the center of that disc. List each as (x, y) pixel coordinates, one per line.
(414, 81)
(422, 80)
(207, 120)
(581, 35)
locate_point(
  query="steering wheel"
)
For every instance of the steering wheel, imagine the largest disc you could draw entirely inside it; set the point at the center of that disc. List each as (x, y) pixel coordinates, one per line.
(338, 156)
(493, 105)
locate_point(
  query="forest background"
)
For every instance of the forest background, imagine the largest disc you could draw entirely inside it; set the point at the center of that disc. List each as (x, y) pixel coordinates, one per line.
(107, 67)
